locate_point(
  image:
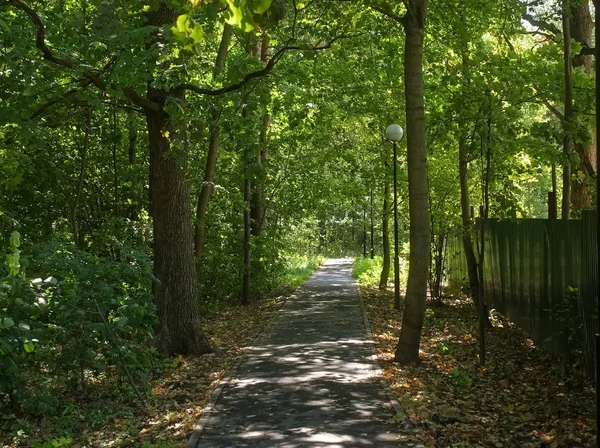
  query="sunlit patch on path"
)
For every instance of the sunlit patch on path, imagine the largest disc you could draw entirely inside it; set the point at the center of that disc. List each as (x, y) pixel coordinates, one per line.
(309, 381)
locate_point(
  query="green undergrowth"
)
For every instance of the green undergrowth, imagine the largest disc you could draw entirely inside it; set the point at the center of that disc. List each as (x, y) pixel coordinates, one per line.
(76, 362)
(368, 271)
(299, 269)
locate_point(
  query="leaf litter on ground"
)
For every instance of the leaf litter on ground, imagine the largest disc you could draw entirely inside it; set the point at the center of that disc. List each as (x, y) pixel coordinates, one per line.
(522, 398)
(176, 399)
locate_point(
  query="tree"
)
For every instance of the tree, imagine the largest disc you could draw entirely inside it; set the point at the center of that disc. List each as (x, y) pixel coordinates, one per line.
(176, 290)
(568, 115)
(413, 22)
(213, 150)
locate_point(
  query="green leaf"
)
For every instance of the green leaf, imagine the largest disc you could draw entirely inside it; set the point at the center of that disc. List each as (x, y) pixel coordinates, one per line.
(239, 15)
(7, 322)
(29, 346)
(15, 240)
(183, 23)
(197, 34)
(260, 6)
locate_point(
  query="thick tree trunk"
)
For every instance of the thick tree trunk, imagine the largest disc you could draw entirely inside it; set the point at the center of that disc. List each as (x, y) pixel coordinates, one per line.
(566, 198)
(581, 29)
(416, 291)
(385, 230)
(213, 151)
(176, 291)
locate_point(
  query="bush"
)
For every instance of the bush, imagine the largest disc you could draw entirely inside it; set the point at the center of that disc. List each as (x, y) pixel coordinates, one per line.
(368, 271)
(83, 318)
(298, 269)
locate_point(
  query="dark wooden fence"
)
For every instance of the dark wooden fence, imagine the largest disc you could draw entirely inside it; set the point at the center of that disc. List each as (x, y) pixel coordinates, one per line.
(541, 274)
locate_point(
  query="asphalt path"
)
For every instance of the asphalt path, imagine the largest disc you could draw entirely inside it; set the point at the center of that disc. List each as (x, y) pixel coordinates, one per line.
(309, 381)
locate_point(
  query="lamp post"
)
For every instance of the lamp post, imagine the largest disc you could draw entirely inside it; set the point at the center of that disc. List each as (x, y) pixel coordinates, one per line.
(372, 225)
(394, 134)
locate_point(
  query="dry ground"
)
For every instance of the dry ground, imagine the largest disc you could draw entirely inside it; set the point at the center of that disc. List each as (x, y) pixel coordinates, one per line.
(522, 397)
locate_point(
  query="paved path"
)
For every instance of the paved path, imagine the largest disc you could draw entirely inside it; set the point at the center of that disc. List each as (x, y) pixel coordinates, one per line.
(309, 382)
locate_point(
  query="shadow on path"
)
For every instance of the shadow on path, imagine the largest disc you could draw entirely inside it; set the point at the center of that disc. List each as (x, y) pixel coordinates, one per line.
(309, 381)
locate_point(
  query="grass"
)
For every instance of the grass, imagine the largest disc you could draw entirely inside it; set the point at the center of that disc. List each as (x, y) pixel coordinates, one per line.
(368, 271)
(300, 268)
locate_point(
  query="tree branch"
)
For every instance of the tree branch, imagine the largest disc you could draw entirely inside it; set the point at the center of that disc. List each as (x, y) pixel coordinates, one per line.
(44, 107)
(387, 12)
(260, 73)
(554, 110)
(40, 42)
(542, 24)
(233, 87)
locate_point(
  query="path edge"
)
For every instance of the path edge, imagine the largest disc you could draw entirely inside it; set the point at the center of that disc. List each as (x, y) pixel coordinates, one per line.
(208, 411)
(378, 371)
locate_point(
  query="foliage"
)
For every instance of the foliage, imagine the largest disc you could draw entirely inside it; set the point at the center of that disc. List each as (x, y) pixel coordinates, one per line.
(81, 314)
(300, 268)
(87, 320)
(368, 271)
(177, 390)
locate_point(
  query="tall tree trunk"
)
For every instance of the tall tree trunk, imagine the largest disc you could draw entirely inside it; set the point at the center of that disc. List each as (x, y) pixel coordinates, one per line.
(176, 290)
(132, 136)
(213, 150)
(385, 230)
(364, 238)
(132, 153)
(438, 266)
(581, 29)
(463, 170)
(115, 139)
(78, 236)
(416, 290)
(566, 198)
(246, 243)
(372, 247)
(258, 194)
(467, 225)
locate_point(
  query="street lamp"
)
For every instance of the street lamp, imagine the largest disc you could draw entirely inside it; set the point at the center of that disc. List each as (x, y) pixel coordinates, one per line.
(394, 134)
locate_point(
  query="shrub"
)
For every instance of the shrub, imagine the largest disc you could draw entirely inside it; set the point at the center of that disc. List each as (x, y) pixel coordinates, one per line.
(83, 317)
(368, 271)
